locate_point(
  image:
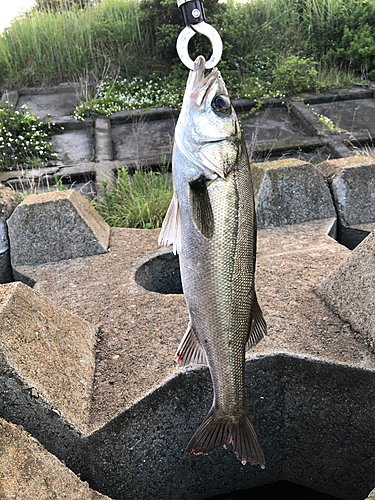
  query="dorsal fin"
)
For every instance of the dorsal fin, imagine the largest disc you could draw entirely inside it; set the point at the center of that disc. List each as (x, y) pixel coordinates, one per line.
(190, 351)
(258, 327)
(171, 228)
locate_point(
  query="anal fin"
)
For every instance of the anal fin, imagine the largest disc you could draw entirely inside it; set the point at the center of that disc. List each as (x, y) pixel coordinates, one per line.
(190, 351)
(258, 326)
(171, 228)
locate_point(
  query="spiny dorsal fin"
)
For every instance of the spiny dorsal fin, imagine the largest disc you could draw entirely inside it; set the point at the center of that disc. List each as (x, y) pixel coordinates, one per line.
(171, 228)
(200, 207)
(258, 327)
(190, 351)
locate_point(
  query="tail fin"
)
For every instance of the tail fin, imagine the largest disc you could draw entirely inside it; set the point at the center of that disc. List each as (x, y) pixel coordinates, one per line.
(219, 431)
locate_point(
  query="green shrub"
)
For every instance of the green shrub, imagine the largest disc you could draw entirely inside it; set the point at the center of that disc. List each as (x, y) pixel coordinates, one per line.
(23, 139)
(139, 201)
(295, 75)
(118, 95)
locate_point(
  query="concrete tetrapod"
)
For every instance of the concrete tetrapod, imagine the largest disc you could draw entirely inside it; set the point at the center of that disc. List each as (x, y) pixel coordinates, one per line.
(47, 363)
(28, 471)
(290, 192)
(350, 289)
(309, 383)
(54, 226)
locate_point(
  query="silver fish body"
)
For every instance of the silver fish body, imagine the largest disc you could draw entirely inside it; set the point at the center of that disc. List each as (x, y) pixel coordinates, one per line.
(211, 223)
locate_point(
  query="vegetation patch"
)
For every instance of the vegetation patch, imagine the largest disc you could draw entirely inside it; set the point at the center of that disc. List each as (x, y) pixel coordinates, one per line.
(23, 139)
(118, 95)
(140, 200)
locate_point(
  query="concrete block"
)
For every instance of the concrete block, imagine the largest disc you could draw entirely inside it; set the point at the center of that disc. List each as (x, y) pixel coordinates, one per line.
(302, 420)
(290, 192)
(353, 188)
(28, 471)
(74, 146)
(350, 289)
(55, 226)
(9, 199)
(55, 104)
(143, 142)
(11, 97)
(49, 350)
(103, 139)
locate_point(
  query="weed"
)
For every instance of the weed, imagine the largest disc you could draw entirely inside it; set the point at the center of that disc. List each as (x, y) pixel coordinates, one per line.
(139, 201)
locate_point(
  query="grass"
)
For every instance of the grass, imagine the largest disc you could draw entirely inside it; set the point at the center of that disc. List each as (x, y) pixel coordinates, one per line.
(135, 38)
(72, 44)
(140, 200)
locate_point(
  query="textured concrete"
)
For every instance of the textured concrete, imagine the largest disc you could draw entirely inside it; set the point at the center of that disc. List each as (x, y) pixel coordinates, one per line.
(352, 183)
(29, 472)
(54, 105)
(74, 146)
(309, 383)
(103, 139)
(350, 289)
(55, 226)
(351, 116)
(48, 349)
(313, 419)
(9, 199)
(290, 192)
(308, 120)
(143, 142)
(272, 125)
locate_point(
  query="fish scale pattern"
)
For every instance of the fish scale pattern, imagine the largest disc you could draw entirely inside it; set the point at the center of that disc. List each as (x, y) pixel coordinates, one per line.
(218, 279)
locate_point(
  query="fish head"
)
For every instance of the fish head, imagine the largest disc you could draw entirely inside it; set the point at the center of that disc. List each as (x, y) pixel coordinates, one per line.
(208, 132)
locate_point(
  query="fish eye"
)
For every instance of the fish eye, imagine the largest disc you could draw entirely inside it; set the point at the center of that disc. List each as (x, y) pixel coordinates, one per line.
(221, 103)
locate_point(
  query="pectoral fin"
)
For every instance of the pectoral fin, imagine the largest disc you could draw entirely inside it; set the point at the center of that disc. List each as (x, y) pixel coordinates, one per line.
(258, 326)
(200, 207)
(171, 228)
(190, 351)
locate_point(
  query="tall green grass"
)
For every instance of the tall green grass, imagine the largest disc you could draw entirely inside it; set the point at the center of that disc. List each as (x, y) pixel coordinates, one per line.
(137, 37)
(140, 200)
(68, 45)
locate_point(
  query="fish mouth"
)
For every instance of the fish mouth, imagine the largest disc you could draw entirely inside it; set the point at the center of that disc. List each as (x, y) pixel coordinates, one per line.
(199, 84)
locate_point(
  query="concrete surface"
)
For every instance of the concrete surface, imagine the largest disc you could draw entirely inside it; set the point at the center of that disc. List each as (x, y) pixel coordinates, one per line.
(29, 472)
(352, 116)
(352, 182)
(48, 349)
(9, 199)
(290, 192)
(53, 105)
(143, 142)
(350, 289)
(74, 146)
(55, 226)
(103, 139)
(309, 382)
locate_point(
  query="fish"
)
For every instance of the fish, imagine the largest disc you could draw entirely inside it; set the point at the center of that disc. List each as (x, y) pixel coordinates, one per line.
(211, 224)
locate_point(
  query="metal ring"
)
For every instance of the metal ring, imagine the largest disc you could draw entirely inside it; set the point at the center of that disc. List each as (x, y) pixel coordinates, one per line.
(204, 29)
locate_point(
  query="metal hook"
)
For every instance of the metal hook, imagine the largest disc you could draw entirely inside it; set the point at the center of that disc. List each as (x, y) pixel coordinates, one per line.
(204, 29)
